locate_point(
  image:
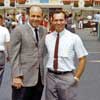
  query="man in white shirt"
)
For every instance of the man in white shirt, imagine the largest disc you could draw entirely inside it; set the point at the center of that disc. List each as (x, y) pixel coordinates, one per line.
(62, 77)
(4, 46)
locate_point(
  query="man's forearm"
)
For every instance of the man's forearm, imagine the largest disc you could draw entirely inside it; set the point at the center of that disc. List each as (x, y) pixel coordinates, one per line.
(80, 67)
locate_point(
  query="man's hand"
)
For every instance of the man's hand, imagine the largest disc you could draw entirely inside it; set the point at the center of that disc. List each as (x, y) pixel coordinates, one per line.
(17, 82)
(8, 58)
(76, 82)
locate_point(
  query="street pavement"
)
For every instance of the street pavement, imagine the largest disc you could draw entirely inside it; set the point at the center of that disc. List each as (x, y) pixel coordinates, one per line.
(89, 86)
(5, 89)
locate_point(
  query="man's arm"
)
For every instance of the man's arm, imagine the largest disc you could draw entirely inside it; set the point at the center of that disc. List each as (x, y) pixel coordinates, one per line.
(7, 43)
(80, 68)
(7, 50)
(15, 58)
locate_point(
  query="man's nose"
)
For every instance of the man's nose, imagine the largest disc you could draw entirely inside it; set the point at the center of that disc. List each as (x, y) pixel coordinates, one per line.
(58, 21)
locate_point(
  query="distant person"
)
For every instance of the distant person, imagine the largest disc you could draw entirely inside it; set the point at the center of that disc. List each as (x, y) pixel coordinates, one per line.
(69, 23)
(27, 43)
(8, 21)
(80, 22)
(97, 17)
(97, 20)
(4, 46)
(21, 18)
(62, 46)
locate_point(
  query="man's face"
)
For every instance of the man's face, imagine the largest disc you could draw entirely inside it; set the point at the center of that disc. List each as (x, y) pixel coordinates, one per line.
(59, 21)
(35, 16)
(1, 21)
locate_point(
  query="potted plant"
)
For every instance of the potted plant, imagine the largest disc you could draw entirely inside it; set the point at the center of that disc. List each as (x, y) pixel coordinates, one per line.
(12, 2)
(21, 1)
(66, 2)
(1, 2)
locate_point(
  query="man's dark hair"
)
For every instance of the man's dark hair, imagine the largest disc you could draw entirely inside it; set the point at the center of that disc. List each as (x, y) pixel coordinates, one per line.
(59, 11)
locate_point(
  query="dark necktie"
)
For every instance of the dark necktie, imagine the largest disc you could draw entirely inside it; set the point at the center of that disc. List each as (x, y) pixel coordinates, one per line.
(36, 34)
(56, 53)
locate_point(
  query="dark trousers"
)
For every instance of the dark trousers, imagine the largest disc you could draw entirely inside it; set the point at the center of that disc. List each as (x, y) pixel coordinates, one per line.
(28, 93)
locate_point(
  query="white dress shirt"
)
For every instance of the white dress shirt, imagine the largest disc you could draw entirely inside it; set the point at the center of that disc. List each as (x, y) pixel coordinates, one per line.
(4, 37)
(69, 45)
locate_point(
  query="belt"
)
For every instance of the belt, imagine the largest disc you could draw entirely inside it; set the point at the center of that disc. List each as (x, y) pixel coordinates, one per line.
(59, 72)
(1, 51)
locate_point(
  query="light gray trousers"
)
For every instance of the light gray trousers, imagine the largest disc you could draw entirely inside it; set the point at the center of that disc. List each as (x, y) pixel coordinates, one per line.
(60, 87)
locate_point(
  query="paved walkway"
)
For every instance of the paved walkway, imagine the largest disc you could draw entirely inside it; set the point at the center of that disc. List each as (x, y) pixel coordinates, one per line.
(89, 84)
(86, 35)
(90, 40)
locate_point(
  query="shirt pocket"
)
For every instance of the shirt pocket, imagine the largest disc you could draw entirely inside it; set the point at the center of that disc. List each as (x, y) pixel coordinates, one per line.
(66, 50)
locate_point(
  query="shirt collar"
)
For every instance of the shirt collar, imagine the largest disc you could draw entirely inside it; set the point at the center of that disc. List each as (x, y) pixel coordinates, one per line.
(60, 33)
(31, 26)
